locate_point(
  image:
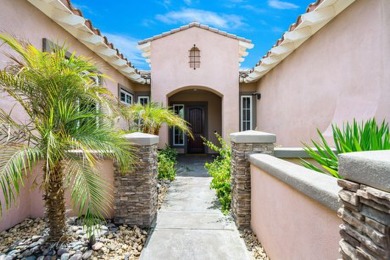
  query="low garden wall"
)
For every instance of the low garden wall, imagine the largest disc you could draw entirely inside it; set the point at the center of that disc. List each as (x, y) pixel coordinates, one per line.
(294, 210)
(134, 194)
(301, 214)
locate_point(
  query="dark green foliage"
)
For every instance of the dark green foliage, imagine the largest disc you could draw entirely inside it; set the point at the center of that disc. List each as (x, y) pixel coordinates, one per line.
(219, 169)
(167, 159)
(355, 137)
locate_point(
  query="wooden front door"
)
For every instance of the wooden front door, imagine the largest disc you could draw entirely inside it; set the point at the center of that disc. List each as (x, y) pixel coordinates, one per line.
(196, 118)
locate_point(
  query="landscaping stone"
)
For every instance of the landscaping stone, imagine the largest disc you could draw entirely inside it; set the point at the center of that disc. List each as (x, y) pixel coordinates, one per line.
(253, 245)
(27, 240)
(365, 230)
(135, 193)
(243, 145)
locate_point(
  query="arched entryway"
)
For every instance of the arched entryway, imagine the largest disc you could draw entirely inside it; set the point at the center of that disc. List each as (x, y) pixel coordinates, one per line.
(203, 110)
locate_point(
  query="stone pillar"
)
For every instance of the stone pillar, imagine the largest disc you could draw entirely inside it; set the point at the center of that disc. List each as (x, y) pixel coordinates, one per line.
(135, 192)
(244, 144)
(365, 211)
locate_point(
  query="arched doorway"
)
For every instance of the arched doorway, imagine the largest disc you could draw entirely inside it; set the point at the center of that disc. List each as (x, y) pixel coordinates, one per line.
(203, 110)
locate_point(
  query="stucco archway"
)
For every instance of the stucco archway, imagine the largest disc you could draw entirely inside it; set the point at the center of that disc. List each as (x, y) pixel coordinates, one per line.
(202, 108)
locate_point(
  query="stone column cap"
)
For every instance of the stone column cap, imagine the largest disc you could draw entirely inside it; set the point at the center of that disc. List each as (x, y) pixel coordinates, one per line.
(252, 137)
(370, 168)
(138, 138)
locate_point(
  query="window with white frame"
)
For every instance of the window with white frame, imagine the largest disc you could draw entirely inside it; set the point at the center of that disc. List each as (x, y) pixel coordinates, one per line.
(125, 97)
(177, 134)
(143, 100)
(246, 112)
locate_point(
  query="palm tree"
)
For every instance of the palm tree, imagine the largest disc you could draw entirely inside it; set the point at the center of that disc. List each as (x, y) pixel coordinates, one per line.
(65, 121)
(152, 116)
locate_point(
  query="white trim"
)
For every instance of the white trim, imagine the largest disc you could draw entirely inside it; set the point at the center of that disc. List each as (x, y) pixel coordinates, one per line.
(250, 112)
(76, 26)
(127, 94)
(145, 97)
(174, 128)
(312, 22)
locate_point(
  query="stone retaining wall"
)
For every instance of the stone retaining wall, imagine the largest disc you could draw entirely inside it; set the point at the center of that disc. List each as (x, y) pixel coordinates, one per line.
(135, 194)
(365, 195)
(243, 145)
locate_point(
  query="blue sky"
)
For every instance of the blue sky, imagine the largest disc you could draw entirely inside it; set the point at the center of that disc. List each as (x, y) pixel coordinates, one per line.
(125, 22)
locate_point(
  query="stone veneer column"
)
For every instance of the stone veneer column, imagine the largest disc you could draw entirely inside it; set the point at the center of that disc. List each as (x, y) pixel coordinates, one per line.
(365, 212)
(244, 144)
(135, 192)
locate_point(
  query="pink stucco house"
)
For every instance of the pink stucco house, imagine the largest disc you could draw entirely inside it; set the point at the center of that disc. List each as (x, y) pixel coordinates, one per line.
(330, 66)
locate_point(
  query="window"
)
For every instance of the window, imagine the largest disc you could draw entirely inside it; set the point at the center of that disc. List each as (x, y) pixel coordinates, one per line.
(125, 97)
(177, 134)
(143, 100)
(194, 58)
(246, 113)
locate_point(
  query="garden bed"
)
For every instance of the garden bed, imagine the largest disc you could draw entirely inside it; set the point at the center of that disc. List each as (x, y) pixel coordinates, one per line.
(27, 240)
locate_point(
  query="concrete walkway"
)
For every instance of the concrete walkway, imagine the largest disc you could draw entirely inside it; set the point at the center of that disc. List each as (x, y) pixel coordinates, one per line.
(190, 224)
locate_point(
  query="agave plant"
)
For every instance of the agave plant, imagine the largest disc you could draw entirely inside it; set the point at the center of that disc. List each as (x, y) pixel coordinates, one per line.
(63, 121)
(152, 116)
(355, 137)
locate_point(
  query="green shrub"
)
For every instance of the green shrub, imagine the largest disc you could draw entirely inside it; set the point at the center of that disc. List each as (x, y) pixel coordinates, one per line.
(167, 159)
(219, 169)
(355, 137)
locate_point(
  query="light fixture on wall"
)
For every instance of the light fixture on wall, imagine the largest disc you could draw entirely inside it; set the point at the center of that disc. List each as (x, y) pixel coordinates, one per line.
(257, 94)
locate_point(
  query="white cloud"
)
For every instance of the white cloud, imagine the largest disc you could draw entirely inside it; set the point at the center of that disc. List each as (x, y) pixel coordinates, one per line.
(188, 15)
(276, 29)
(128, 46)
(282, 4)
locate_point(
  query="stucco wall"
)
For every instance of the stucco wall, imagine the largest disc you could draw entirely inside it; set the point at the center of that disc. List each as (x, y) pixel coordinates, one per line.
(289, 224)
(218, 71)
(21, 19)
(30, 201)
(339, 74)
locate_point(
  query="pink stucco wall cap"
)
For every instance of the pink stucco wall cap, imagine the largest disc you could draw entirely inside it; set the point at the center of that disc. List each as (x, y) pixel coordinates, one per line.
(370, 168)
(253, 137)
(142, 138)
(320, 187)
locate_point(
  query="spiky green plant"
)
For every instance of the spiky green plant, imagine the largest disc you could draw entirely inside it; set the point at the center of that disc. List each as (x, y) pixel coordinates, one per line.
(60, 99)
(355, 137)
(152, 116)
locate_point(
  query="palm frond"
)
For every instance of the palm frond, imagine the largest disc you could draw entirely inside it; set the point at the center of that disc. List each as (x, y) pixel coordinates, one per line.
(16, 161)
(89, 192)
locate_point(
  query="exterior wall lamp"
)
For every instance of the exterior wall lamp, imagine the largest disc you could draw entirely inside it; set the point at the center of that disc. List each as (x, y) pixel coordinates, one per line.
(257, 94)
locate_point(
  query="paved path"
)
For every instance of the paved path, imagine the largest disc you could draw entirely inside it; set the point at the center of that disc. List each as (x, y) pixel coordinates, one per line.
(190, 224)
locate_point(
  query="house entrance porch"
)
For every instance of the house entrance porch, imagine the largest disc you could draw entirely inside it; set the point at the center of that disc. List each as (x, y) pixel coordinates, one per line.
(202, 109)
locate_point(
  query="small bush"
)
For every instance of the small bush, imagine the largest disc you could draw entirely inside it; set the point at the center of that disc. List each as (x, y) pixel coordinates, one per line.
(355, 137)
(219, 169)
(167, 159)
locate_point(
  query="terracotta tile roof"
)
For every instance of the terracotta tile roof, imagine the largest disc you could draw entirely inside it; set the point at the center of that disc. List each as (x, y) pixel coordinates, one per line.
(96, 31)
(72, 20)
(191, 25)
(310, 8)
(317, 15)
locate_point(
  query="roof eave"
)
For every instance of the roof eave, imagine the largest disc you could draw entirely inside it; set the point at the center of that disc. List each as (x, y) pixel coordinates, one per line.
(317, 16)
(75, 24)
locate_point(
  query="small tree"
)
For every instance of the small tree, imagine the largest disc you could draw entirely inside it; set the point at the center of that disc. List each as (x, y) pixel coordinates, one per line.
(152, 116)
(64, 121)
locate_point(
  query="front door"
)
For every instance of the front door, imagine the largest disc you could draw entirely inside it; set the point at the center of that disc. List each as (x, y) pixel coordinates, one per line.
(196, 118)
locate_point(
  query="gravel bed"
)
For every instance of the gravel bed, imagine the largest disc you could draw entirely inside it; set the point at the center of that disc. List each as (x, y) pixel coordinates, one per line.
(253, 245)
(162, 189)
(27, 241)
